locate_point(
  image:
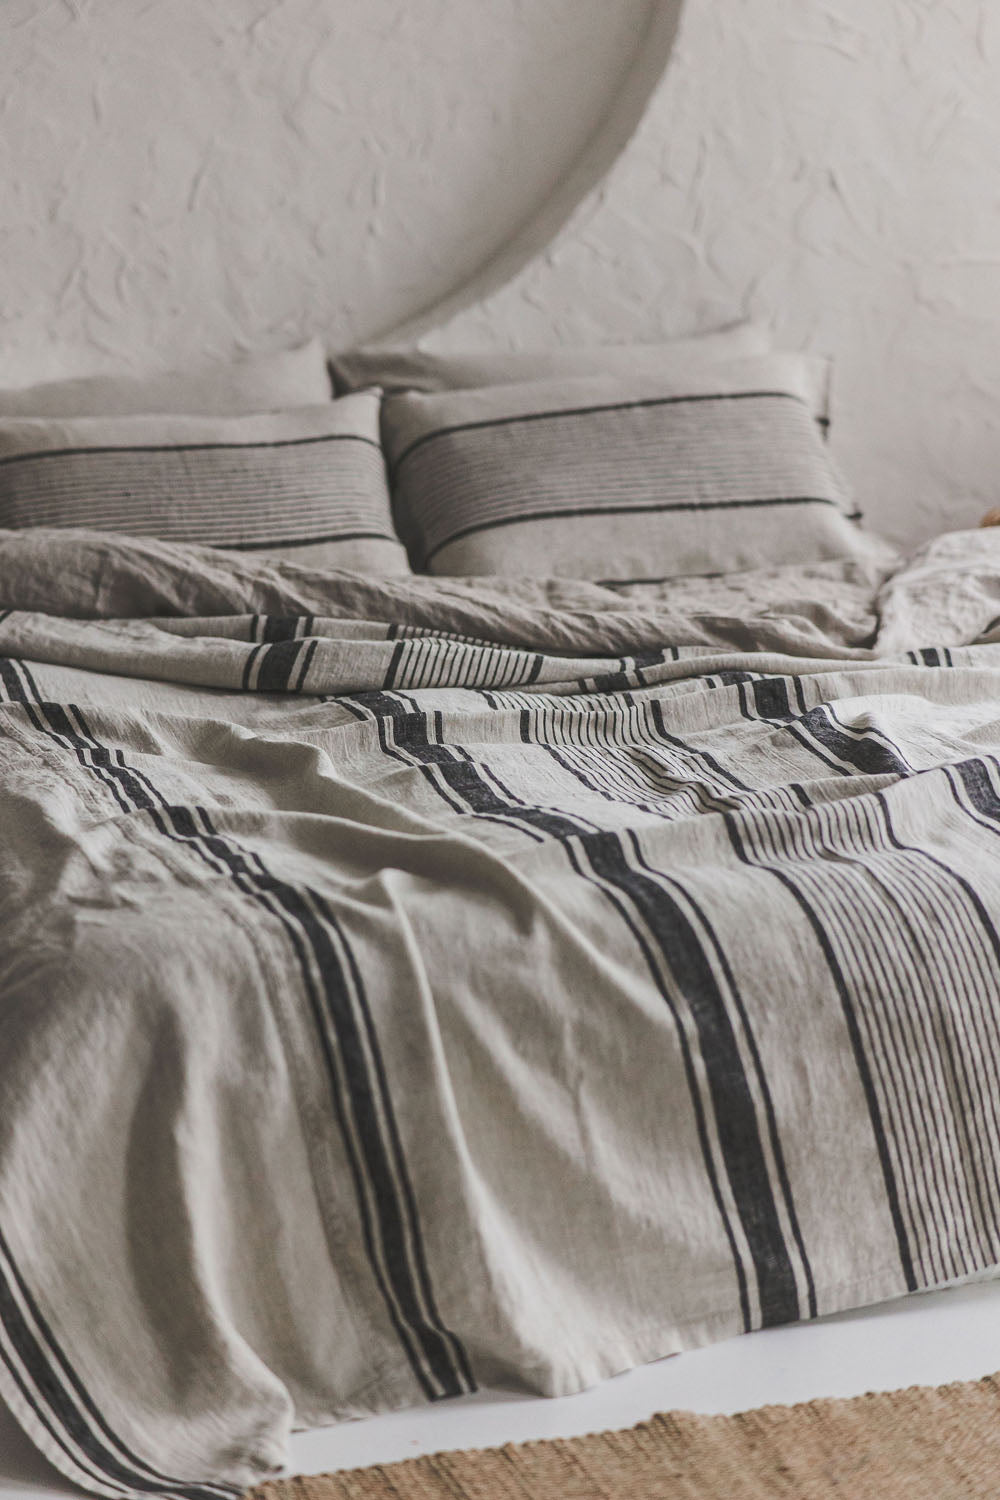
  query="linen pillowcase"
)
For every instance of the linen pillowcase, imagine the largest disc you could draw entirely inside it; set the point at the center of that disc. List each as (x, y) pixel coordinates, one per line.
(416, 369)
(263, 382)
(307, 484)
(622, 479)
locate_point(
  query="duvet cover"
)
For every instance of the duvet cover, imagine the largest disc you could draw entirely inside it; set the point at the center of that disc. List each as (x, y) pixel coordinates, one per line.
(415, 985)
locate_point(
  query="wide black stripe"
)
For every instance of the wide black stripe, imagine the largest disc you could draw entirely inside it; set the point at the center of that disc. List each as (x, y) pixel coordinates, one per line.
(857, 1042)
(732, 1102)
(395, 661)
(439, 1347)
(280, 628)
(586, 411)
(303, 929)
(60, 1403)
(248, 667)
(656, 507)
(771, 698)
(274, 675)
(745, 1123)
(34, 1358)
(684, 956)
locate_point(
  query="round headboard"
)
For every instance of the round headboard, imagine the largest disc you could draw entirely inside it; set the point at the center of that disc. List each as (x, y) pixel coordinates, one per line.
(191, 180)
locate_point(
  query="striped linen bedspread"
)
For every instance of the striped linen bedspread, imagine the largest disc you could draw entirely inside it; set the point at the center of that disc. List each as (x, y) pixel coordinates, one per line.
(415, 985)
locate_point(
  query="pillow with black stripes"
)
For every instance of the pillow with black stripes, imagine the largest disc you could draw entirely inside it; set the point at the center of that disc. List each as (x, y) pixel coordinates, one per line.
(307, 485)
(257, 382)
(413, 368)
(633, 478)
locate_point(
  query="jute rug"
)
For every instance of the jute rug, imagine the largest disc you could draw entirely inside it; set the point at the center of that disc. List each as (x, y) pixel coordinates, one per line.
(940, 1443)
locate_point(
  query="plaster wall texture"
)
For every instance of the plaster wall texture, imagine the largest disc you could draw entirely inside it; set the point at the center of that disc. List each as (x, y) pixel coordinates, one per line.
(191, 179)
(181, 179)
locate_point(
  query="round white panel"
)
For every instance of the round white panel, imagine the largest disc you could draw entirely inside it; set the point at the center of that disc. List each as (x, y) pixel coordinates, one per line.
(187, 178)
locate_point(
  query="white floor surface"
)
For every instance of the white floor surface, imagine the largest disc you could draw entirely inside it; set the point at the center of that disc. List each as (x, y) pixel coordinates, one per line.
(925, 1340)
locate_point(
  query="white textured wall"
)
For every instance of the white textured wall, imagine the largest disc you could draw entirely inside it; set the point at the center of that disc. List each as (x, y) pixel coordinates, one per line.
(184, 178)
(179, 176)
(833, 165)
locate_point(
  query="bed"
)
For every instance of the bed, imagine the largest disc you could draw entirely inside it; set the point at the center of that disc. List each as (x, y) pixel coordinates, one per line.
(443, 946)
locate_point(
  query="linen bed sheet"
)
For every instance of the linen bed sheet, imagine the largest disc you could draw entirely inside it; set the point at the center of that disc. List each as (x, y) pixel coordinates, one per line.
(413, 984)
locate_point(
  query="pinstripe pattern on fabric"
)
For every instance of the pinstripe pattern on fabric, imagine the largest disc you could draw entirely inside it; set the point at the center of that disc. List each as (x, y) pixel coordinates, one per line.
(574, 1009)
(298, 478)
(622, 479)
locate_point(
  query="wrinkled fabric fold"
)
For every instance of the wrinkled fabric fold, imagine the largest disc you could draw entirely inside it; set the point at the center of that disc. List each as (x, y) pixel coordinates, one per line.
(410, 986)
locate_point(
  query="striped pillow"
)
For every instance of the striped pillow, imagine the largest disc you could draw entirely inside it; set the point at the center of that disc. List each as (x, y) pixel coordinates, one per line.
(616, 479)
(306, 484)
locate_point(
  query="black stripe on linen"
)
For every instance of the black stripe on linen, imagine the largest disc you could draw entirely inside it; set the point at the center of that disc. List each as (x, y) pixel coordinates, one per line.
(301, 442)
(281, 628)
(667, 939)
(398, 652)
(280, 669)
(909, 1005)
(715, 1019)
(953, 1024)
(586, 411)
(279, 666)
(733, 1107)
(391, 1227)
(82, 1427)
(307, 540)
(869, 750)
(733, 828)
(958, 1207)
(603, 509)
(845, 750)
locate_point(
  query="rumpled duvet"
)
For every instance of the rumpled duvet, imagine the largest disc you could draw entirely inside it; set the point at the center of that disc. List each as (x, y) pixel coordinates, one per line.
(408, 985)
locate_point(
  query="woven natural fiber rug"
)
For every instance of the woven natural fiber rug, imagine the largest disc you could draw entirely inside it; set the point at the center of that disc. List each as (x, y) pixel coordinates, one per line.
(924, 1443)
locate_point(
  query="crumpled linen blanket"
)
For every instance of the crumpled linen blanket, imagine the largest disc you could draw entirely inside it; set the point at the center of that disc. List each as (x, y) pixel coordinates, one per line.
(408, 985)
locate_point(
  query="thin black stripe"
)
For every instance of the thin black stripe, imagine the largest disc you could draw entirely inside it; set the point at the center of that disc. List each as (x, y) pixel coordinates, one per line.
(300, 442)
(586, 411)
(62, 1406)
(744, 1123)
(307, 541)
(650, 508)
(685, 959)
(248, 667)
(857, 1045)
(440, 1347)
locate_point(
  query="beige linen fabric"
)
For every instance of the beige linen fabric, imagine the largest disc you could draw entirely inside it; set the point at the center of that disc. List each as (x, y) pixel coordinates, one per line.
(261, 382)
(410, 985)
(645, 475)
(307, 483)
(418, 369)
